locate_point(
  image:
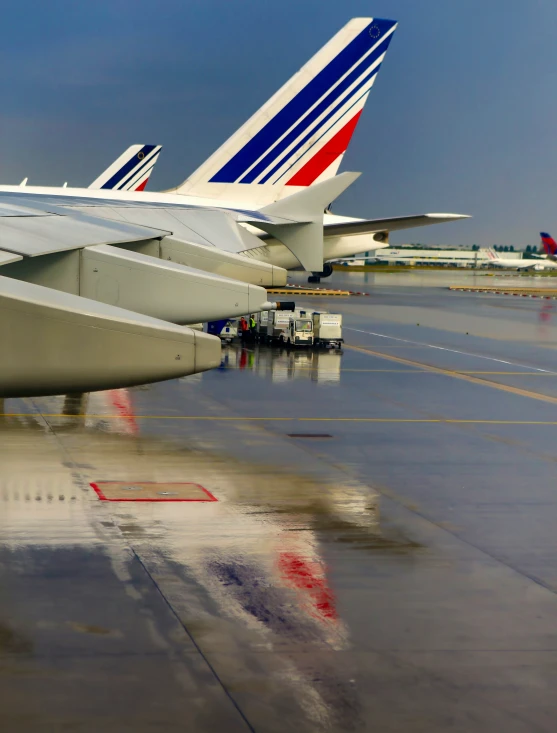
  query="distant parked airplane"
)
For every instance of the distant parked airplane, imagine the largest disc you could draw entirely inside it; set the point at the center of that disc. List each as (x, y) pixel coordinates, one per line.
(517, 263)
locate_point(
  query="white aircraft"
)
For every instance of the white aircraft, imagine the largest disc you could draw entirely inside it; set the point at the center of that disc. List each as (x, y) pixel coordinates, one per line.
(296, 140)
(517, 263)
(93, 280)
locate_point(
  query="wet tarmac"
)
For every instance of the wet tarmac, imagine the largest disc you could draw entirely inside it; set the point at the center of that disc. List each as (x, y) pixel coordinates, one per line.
(300, 541)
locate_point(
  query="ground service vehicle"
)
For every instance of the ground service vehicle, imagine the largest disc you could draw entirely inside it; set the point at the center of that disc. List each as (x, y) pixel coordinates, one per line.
(262, 321)
(327, 329)
(277, 324)
(299, 331)
(226, 329)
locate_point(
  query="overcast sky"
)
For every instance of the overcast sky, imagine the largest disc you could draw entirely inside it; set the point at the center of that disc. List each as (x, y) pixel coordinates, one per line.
(462, 118)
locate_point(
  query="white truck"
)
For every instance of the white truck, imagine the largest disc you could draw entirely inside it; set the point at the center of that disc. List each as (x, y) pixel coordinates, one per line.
(299, 331)
(327, 330)
(277, 325)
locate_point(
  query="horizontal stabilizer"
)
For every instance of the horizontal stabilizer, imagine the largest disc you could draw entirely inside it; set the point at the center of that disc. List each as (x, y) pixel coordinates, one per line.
(61, 343)
(305, 210)
(397, 223)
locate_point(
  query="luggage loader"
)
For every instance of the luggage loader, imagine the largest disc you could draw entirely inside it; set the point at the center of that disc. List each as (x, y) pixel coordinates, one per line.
(327, 330)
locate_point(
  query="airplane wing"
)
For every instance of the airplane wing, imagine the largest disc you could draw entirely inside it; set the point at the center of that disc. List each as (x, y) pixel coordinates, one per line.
(397, 223)
(89, 303)
(42, 229)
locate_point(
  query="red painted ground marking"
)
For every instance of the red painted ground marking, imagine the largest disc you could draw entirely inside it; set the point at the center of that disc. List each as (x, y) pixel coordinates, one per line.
(96, 486)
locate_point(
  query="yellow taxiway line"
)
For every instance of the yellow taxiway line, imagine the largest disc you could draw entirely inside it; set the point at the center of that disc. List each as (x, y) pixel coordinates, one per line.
(218, 418)
(467, 377)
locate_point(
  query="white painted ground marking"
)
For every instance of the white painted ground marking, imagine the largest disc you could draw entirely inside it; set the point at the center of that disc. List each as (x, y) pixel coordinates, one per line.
(454, 351)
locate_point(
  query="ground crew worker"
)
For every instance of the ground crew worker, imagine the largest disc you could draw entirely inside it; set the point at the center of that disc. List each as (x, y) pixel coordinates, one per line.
(252, 325)
(244, 329)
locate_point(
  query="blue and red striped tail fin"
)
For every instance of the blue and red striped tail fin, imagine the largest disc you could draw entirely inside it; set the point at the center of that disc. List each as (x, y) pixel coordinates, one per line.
(300, 135)
(131, 171)
(549, 244)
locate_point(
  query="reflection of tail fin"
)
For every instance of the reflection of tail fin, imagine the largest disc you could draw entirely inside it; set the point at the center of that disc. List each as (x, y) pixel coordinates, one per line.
(301, 134)
(549, 245)
(131, 171)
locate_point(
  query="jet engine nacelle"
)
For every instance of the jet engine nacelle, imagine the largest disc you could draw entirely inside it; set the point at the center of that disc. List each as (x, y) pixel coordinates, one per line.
(62, 343)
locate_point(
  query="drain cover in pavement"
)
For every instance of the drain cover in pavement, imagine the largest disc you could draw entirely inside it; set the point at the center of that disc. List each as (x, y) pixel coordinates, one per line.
(150, 491)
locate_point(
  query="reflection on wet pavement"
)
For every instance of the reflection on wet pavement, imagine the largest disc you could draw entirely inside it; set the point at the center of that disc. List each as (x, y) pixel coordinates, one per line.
(397, 574)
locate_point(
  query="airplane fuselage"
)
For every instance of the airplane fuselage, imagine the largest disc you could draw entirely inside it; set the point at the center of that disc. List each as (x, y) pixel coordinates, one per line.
(519, 264)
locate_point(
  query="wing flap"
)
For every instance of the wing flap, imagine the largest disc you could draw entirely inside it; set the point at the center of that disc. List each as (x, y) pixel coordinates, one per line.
(32, 236)
(7, 258)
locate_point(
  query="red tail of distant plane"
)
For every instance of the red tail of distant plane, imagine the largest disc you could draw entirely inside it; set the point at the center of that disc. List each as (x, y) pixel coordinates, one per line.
(549, 245)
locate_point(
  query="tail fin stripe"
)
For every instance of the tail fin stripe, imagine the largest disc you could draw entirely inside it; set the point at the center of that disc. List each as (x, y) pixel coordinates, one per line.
(549, 244)
(373, 61)
(129, 166)
(142, 175)
(327, 155)
(148, 160)
(310, 95)
(326, 119)
(136, 175)
(373, 67)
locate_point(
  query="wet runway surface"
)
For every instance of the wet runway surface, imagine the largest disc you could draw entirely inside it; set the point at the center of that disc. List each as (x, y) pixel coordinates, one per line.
(391, 567)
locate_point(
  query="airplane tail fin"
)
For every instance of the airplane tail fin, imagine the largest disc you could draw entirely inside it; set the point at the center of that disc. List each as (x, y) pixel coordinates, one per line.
(131, 171)
(549, 245)
(492, 254)
(301, 134)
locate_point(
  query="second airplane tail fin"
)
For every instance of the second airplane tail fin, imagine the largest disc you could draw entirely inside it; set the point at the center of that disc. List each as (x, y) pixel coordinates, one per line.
(492, 254)
(301, 134)
(549, 245)
(131, 171)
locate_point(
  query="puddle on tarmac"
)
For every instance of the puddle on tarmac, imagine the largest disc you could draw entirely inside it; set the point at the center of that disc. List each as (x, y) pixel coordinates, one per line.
(92, 629)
